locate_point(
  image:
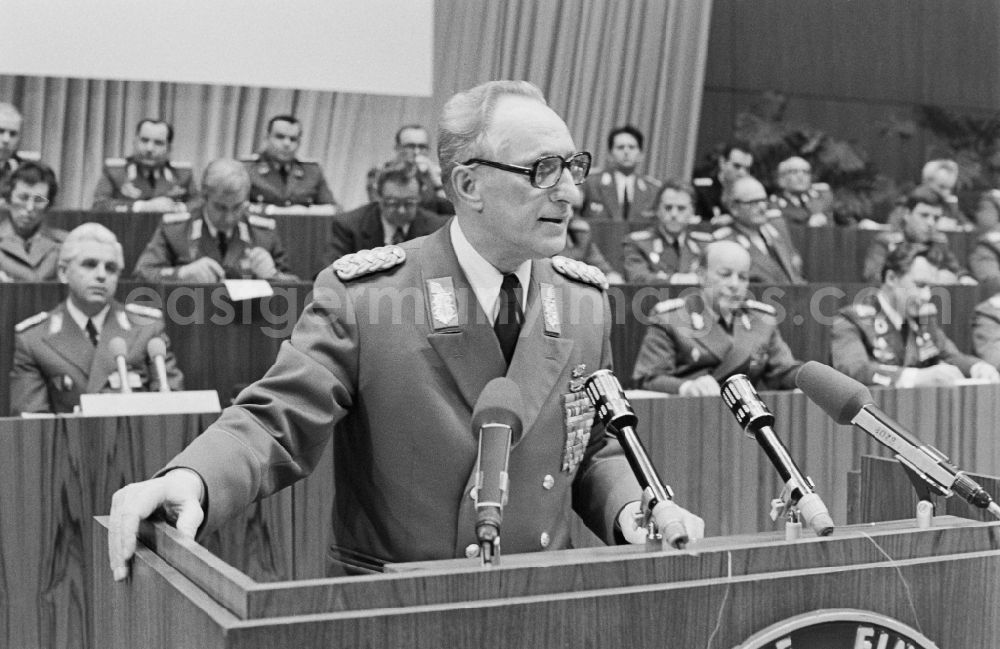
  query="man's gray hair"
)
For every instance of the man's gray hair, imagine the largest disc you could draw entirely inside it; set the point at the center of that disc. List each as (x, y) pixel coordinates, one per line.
(84, 233)
(225, 175)
(10, 109)
(933, 166)
(465, 120)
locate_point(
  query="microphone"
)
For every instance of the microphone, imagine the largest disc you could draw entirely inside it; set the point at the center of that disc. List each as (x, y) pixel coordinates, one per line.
(156, 349)
(119, 350)
(756, 421)
(619, 419)
(848, 402)
(496, 420)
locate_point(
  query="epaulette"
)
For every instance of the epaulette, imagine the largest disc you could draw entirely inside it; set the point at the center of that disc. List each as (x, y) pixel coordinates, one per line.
(927, 309)
(29, 156)
(183, 164)
(701, 237)
(580, 271)
(640, 235)
(176, 217)
(893, 237)
(722, 233)
(993, 237)
(262, 222)
(655, 182)
(145, 311)
(773, 213)
(366, 262)
(864, 310)
(250, 158)
(995, 301)
(24, 325)
(760, 306)
(821, 187)
(702, 182)
(115, 162)
(666, 306)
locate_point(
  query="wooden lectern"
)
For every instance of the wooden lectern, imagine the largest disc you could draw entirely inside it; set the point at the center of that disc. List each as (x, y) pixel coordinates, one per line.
(943, 582)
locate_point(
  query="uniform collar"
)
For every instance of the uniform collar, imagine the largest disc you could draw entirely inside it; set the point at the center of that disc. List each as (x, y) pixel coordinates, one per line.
(80, 318)
(484, 278)
(894, 317)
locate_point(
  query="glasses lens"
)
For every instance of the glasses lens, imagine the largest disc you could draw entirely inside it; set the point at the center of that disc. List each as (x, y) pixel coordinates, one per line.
(579, 167)
(547, 171)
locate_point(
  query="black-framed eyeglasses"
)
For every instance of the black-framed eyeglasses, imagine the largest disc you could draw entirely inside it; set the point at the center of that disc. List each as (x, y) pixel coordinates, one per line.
(547, 170)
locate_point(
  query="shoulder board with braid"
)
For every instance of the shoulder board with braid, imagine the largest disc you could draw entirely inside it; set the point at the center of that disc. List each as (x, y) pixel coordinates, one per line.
(760, 306)
(666, 306)
(144, 311)
(262, 222)
(367, 262)
(28, 323)
(580, 271)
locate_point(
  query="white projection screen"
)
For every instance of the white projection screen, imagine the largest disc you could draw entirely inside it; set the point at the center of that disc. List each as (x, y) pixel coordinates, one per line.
(359, 46)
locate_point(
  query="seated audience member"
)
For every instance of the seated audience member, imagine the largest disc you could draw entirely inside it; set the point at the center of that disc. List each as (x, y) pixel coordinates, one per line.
(942, 176)
(693, 344)
(984, 260)
(147, 180)
(773, 259)
(711, 192)
(29, 249)
(413, 147)
(917, 225)
(63, 353)
(668, 251)
(395, 217)
(894, 338)
(988, 211)
(618, 192)
(986, 331)
(11, 123)
(800, 200)
(217, 240)
(277, 177)
(580, 245)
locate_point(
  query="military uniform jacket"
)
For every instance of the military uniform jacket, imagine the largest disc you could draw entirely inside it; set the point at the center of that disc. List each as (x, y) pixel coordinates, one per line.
(123, 182)
(986, 331)
(395, 392)
(686, 340)
(781, 264)
(40, 264)
(984, 260)
(600, 197)
(55, 362)
(650, 256)
(886, 242)
(183, 238)
(798, 209)
(305, 185)
(867, 346)
(361, 229)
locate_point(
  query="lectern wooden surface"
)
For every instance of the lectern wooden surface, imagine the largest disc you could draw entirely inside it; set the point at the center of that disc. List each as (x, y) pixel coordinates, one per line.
(717, 596)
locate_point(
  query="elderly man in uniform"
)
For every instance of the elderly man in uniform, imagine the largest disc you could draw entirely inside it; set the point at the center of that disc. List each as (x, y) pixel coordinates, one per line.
(763, 234)
(412, 148)
(918, 225)
(668, 252)
(895, 339)
(281, 180)
(29, 249)
(693, 344)
(147, 180)
(802, 201)
(11, 123)
(218, 240)
(394, 380)
(711, 192)
(394, 217)
(63, 353)
(620, 193)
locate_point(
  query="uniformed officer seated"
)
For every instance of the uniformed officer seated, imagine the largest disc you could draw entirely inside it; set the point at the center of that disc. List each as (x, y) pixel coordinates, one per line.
(667, 252)
(29, 249)
(800, 200)
(618, 192)
(281, 180)
(694, 343)
(217, 240)
(917, 224)
(894, 338)
(11, 123)
(147, 180)
(63, 353)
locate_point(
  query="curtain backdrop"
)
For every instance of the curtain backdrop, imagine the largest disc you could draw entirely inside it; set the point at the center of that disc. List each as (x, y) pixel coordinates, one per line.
(600, 64)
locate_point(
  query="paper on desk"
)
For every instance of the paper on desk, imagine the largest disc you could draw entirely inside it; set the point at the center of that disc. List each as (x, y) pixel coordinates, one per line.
(247, 289)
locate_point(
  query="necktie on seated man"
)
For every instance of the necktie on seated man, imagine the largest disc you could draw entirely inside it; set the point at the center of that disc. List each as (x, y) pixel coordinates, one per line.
(91, 332)
(223, 244)
(509, 317)
(398, 236)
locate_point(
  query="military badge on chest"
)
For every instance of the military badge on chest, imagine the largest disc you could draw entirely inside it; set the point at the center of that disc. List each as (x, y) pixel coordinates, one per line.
(927, 350)
(882, 352)
(758, 360)
(578, 417)
(443, 304)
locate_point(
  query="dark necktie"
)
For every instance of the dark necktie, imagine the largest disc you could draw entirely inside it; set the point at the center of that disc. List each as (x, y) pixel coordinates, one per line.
(283, 172)
(399, 236)
(151, 178)
(626, 204)
(509, 317)
(223, 244)
(91, 332)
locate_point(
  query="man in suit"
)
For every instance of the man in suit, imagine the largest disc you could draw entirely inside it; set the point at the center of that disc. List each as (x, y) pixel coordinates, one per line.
(279, 178)
(65, 352)
(392, 355)
(619, 192)
(693, 344)
(146, 181)
(29, 248)
(394, 217)
(219, 239)
(894, 338)
(11, 124)
(762, 233)
(413, 148)
(668, 252)
(711, 192)
(800, 200)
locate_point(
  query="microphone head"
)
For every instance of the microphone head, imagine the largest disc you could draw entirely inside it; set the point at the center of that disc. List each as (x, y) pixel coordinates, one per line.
(156, 347)
(840, 396)
(499, 403)
(117, 346)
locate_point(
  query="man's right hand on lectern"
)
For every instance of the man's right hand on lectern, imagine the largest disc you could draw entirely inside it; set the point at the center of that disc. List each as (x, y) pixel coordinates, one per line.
(178, 494)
